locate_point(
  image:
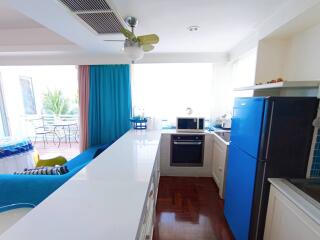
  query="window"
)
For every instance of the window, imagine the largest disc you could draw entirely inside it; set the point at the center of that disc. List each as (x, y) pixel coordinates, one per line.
(165, 91)
(28, 95)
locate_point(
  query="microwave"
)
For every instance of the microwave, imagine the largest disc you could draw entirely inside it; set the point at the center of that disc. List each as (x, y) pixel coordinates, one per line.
(190, 124)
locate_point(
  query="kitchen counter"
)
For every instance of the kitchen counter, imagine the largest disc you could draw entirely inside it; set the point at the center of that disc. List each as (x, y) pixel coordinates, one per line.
(307, 204)
(175, 131)
(105, 200)
(223, 134)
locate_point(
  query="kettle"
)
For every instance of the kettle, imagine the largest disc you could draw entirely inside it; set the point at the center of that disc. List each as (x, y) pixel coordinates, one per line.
(226, 121)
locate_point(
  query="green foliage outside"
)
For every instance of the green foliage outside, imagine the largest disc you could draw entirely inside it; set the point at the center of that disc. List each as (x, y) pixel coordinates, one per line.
(55, 103)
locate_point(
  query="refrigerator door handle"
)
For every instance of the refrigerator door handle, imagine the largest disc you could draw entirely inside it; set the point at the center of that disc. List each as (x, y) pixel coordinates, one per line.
(266, 155)
(261, 194)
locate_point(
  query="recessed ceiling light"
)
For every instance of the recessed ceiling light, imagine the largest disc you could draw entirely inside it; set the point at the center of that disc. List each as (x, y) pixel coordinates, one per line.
(193, 28)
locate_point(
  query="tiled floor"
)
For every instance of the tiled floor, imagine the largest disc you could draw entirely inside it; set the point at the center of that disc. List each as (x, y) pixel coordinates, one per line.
(190, 209)
(51, 150)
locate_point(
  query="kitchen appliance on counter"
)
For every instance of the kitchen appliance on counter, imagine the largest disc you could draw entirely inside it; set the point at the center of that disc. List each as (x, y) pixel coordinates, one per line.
(226, 121)
(190, 124)
(187, 150)
(270, 138)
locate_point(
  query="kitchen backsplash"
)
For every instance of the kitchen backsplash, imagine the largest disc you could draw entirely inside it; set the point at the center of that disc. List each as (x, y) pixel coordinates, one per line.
(315, 168)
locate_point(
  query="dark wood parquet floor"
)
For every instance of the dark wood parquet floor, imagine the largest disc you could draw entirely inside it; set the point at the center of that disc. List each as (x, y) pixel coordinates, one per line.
(189, 209)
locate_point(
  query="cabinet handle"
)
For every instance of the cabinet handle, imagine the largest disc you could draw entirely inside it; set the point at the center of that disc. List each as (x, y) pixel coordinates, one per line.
(144, 218)
(187, 143)
(220, 169)
(150, 193)
(147, 237)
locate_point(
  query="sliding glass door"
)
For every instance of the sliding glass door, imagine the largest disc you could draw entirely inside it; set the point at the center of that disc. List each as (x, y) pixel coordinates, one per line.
(4, 126)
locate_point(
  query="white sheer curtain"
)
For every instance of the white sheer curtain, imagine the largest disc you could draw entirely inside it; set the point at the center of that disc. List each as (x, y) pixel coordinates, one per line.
(164, 91)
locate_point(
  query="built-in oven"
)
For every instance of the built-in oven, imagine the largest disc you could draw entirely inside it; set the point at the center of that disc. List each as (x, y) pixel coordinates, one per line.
(187, 150)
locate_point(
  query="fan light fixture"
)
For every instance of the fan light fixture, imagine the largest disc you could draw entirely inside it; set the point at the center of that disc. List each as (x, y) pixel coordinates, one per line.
(135, 46)
(133, 50)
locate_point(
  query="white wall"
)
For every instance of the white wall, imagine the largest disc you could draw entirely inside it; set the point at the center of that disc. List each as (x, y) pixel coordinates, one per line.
(294, 57)
(303, 57)
(289, 11)
(222, 94)
(243, 47)
(271, 59)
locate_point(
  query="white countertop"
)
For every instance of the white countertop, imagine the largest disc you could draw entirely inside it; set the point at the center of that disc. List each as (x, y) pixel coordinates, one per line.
(103, 201)
(220, 138)
(299, 198)
(205, 132)
(175, 131)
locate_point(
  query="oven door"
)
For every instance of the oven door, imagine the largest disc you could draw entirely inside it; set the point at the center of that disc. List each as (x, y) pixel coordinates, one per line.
(187, 150)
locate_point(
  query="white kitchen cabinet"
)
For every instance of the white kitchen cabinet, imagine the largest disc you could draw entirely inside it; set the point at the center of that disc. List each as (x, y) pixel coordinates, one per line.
(148, 216)
(219, 163)
(286, 221)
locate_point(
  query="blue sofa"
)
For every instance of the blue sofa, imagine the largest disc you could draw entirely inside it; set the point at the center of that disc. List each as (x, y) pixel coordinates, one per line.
(29, 190)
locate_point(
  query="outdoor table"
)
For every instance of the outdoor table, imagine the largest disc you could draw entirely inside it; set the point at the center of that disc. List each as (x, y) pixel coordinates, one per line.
(65, 125)
(15, 155)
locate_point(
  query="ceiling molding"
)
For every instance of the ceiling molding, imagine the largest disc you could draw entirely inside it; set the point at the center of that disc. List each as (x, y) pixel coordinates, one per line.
(31, 36)
(32, 58)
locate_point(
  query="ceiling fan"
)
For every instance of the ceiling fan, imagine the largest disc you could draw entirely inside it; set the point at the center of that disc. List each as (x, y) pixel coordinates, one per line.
(135, 46)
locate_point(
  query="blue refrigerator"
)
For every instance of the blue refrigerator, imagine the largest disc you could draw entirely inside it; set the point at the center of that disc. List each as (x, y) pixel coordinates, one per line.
(270, 137)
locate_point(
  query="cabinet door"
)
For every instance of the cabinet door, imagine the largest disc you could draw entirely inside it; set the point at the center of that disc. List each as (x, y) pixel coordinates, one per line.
(285, 221)
(219, 154)
(215, 163)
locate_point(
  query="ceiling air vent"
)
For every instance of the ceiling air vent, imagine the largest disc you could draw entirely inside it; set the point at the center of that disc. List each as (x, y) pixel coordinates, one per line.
(97, 14)
(102, 23)
(86, 5)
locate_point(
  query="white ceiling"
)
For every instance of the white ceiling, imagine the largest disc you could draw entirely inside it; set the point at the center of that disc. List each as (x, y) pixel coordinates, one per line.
(12, 19)
(223, 23)
(21, 33)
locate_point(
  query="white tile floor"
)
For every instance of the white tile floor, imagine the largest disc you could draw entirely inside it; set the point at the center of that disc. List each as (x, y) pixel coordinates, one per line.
(52, 150)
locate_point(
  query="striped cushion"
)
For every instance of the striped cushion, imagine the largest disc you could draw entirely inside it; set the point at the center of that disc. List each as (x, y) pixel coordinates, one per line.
(59, 170)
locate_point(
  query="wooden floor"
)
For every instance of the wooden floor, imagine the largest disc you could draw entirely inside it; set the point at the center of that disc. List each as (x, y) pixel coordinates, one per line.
(189, 209)
(52, 150)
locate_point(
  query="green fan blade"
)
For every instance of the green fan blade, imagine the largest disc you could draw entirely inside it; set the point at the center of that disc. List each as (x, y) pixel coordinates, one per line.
(128, 34)
(147, 47)
(148, 39)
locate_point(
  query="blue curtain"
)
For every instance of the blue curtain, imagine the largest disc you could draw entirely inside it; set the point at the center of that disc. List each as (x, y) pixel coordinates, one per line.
(109, 103)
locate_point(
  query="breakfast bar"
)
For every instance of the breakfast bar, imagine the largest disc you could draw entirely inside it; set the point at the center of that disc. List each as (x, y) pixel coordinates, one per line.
(111, 198)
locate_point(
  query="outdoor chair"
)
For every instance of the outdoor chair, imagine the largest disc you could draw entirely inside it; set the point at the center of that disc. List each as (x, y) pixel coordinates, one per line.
(43, 131)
